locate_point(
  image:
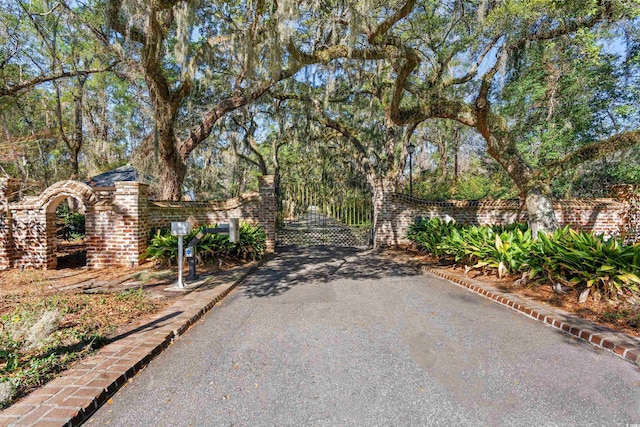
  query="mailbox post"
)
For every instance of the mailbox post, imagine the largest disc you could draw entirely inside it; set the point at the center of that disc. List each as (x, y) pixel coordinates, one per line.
(232, 229)
(180, 229)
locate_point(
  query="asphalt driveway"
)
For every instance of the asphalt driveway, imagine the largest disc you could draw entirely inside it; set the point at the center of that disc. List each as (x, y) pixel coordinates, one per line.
(332, 337)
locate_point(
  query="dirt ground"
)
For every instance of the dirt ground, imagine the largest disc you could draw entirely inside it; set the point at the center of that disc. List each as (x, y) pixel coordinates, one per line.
(622, 314)
(72, 311)
(72, 278)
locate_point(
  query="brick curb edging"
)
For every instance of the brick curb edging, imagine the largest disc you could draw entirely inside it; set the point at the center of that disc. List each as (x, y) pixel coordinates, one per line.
(70, 399)
(622, 345)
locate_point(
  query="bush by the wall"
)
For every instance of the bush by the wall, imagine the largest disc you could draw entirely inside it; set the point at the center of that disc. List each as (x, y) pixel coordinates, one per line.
(570, 257)
(163, 246)
(69, 225)
(585, 260)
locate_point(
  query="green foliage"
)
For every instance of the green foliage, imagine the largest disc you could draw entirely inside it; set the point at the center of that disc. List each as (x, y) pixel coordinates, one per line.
(484, 247)
(252, 244)
(136, 295)
(24, 367)
(163, 246)
(428, 234)
(594, 178)
(67, 328)
(587, 261)
(70, 225)
(470, 186)
(573, 258)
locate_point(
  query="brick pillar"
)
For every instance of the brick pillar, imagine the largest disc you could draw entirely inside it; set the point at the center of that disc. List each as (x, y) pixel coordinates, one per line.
(129, 239)
(384, 230)
(8, 192)
(267, 209)
(100, 221)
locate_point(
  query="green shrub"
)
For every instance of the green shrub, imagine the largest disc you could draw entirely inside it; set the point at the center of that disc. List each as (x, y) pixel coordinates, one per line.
(428, 234)
(585, 260)
(163, 246)
(70, 225)
(570, 257)
(252, 244)
(483, 247)
(502, 248)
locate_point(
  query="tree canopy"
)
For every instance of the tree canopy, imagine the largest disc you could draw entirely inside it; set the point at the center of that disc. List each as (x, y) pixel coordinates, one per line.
(501, 97)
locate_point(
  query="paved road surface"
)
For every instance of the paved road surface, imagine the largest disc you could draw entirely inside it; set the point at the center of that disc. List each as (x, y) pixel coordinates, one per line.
(337, 337)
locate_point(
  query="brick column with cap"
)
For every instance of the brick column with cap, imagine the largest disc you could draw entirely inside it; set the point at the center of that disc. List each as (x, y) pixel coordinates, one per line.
(267, 209)
(129, 239)
(8, 191)
(384, 229)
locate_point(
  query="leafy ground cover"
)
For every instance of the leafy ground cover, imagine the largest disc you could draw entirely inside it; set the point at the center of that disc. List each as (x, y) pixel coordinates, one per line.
(588, 275)
(621, 314)
(50, 319)
(163, 246)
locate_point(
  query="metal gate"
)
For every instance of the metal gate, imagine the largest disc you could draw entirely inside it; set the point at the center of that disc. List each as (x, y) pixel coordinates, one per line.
(323, 214)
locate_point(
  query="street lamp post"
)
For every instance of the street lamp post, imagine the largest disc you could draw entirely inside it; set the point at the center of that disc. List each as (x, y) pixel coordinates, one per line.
(411, 149)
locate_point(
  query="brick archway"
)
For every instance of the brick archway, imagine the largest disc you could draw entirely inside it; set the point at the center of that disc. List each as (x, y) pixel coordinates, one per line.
(50, 198)
(47, 203)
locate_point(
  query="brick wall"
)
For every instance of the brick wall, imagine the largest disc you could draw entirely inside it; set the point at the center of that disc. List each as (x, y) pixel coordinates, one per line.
(267, 212)
(631, 225)
(117, 225)
(29, 232)
(8, 191)
(253, 208)
(162, 214)
(609, 217)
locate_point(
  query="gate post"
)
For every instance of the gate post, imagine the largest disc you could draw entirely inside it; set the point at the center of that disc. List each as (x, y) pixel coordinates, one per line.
(384, 230)
(8, 189)
(267, 209)
(132, 222)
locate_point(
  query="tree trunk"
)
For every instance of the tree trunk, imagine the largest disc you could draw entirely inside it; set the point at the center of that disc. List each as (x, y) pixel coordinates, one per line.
(173, 166)
(172, 178)
(456, 148)
(502, 147)
(443, 162)
(542, 217)
(78, 139)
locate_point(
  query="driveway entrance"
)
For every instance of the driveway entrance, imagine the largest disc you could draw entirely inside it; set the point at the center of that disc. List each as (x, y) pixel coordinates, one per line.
(332, 337)
(324, 214)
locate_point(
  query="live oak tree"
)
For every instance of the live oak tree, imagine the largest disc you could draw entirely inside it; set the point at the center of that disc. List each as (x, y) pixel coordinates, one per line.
(449, 58)
(228, 52)
(561, 95)
(545, 83)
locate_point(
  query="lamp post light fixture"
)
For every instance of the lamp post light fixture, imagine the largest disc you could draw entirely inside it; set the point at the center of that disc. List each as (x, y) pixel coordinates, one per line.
(411, 149)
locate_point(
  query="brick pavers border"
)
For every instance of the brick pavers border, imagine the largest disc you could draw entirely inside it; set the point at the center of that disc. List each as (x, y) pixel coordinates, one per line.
(77, 393)
(618, 343)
